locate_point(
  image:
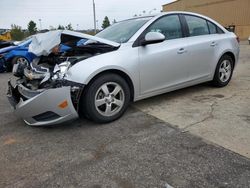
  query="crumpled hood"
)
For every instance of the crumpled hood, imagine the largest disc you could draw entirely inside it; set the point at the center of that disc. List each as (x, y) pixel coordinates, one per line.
(42, 44)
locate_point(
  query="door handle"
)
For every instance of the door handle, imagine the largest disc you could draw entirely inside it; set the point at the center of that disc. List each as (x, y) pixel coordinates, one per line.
(213, 44)
(181, 51)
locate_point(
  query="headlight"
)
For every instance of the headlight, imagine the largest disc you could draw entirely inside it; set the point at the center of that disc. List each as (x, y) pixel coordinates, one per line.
(61, 69)
(64, 67)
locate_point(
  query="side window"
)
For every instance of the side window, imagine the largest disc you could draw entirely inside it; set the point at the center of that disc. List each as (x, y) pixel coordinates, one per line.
(197, 26)
(169, 26)
(220, 30)
(212, 28)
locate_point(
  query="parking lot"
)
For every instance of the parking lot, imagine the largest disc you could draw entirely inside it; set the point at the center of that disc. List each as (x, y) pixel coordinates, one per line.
(194, 137)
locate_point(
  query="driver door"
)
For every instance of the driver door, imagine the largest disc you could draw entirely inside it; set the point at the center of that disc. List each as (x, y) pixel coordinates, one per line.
(164, 64)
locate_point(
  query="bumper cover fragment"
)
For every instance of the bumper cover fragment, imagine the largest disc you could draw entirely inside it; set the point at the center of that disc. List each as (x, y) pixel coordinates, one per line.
(42, 103)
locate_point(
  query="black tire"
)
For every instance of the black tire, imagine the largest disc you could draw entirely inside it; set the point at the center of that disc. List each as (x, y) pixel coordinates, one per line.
(217, 81)
(14, 61)
(87, 103)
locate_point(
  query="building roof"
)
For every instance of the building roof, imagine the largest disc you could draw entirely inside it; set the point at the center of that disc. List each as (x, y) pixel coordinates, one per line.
(174, 1)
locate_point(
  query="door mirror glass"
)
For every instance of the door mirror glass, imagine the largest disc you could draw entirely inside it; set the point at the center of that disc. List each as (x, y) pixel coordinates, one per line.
(152, 38)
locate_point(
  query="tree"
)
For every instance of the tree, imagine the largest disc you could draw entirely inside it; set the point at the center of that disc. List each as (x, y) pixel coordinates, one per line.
(61, 27)
(69, 27)
(114, 21)
(16, 32)
(106, 22)
(32, 27)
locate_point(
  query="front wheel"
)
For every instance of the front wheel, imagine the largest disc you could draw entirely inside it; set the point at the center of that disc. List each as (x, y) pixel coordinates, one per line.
(106, 98)
(224, 72)
(17, 60)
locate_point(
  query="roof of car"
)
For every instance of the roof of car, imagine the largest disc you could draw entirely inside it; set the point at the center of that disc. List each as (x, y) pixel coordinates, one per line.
(165, 13)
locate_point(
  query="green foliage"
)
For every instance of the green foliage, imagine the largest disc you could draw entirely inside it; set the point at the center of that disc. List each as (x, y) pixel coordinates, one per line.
(69, 27)
(16, 33)
(61, 27)
(106, 22)
(32, 28)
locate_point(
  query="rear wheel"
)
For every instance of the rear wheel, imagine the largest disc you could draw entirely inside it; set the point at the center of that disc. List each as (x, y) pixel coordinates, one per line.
(106, 98)
(224, 72)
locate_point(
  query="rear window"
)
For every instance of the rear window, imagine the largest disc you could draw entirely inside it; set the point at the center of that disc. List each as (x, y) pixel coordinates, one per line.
(219, 30)
(197, 26)
(213, 28)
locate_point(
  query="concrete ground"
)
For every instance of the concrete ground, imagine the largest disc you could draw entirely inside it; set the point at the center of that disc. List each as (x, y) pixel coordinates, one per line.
(219, 115)
(167, 141)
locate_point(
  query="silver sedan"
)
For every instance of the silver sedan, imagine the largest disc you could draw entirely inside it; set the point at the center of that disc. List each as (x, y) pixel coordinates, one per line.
(129, 61)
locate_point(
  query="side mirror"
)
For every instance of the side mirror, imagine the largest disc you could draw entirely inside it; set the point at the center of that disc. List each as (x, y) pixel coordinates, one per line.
(152, 38)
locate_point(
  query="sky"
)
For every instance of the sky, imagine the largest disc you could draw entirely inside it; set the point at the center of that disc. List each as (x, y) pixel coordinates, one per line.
(77, 12)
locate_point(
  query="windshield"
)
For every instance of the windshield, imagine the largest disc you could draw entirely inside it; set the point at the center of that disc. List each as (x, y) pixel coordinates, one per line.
(121, 32)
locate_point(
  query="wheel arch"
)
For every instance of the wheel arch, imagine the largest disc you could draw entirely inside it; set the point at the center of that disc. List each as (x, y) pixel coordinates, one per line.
(22, 56)
(21, 53)
(121, 73)
(230, 54)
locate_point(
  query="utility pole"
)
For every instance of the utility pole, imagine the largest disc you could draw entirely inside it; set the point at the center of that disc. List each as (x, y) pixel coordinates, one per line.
(97, 25)
(94, 15)
(40, 21)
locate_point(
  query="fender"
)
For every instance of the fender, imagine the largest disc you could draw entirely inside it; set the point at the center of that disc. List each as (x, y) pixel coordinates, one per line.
(20, 52)
(125, 61)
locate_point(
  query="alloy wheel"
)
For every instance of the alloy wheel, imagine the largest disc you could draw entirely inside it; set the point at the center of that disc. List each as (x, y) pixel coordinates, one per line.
(225, 71)
(109, 99)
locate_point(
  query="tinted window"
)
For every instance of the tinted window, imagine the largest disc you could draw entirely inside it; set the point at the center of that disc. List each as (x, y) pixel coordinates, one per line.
(212, 28)
(197, 26)
(169, 26)
(220, 30)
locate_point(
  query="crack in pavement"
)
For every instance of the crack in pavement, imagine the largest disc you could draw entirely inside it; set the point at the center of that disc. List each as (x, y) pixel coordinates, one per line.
(210, 115)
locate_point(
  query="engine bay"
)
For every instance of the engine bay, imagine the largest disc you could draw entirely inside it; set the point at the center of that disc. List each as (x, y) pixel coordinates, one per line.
(48, 72)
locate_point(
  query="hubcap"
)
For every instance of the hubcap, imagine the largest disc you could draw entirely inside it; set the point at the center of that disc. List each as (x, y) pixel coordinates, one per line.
(22, 60)
(225, 71)
(109, 99)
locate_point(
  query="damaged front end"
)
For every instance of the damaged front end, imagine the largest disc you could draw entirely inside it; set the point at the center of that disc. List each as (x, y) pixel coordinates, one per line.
(44, 97)
(40, 93)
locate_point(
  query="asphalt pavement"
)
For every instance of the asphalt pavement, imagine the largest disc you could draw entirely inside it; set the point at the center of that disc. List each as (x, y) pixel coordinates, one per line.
(137, 151)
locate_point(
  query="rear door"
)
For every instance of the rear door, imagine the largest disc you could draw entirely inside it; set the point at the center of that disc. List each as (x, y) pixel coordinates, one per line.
(201, 47)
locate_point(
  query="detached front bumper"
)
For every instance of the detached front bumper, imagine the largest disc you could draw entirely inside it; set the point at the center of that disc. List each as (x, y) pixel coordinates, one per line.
(44, 107)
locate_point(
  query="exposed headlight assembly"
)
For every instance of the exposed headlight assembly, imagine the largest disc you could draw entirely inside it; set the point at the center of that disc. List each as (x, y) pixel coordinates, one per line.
(60, 70)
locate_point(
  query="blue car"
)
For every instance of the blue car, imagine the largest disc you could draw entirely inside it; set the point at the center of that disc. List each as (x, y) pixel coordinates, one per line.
(14, 54)
(17, 54)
